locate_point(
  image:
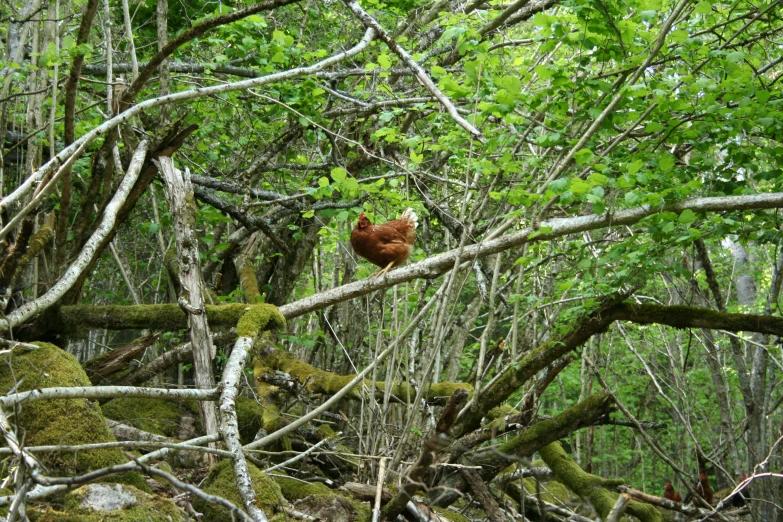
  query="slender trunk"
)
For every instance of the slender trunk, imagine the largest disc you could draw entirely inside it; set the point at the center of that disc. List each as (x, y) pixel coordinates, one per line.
(180, 197)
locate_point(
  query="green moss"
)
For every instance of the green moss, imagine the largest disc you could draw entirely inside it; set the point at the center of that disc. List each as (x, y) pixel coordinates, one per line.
(60, 421)
(4, 492)
(247, 279)
(164, 317)
(553, 491)
(221, 482)
(294, 489)
(450, 515)
(326, 432)
(249, 415)
(148, 508)
(591, 486)
(157, 416)
(498, 412)
(131, 478)
(257, 318)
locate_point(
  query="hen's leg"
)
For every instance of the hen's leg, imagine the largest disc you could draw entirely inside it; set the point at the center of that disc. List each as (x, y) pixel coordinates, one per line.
(383, 272)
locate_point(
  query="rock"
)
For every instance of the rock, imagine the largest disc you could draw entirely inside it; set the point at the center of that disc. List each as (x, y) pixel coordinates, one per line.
(107, 497)
(111, 503)
(328, 508)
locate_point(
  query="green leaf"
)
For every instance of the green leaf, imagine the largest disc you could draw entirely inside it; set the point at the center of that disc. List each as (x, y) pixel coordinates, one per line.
(385, 61)
(649, 15)
(511, 84)
(579, 186)
(735, 57)
(338, 174)
(583, 156)
(687, 216)
(282, 39)
(666, 162)
(634, 167)
(543, 72)
(323, 182)
(453, 32)
(558, 186)
(703, 8)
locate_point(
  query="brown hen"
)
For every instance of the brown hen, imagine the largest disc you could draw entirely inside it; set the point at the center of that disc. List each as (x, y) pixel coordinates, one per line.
(704, 490)
(668, 492)
(388, 245)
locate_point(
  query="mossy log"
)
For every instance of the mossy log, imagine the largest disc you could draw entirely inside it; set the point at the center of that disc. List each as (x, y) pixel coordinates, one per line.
(538, 359)
(72, 320)
(496, 459)
(593, 488)
(319, 381)
(679, 316)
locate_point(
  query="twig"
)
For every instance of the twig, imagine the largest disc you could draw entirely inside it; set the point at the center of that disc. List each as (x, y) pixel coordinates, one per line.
(421, 74)
(302, 455)
(376, 510)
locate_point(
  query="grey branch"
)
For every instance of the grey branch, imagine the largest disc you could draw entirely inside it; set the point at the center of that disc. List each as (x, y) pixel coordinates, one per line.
(229, 427)
(106, 392)
(437, 265)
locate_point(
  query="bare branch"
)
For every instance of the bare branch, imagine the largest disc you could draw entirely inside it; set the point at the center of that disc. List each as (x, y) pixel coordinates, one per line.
(437, 265)
(85, 257)
(421, 74)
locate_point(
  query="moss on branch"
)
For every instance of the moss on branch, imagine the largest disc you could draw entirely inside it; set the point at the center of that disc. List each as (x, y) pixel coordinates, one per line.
(592, 487)
(165, 317)
(679, 316)
(320, 381)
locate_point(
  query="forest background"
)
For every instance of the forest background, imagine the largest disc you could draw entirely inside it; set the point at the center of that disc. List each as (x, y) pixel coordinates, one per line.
(598, 184)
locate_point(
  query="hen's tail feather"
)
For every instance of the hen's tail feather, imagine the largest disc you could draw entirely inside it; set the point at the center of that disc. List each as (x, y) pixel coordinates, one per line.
(411, 216)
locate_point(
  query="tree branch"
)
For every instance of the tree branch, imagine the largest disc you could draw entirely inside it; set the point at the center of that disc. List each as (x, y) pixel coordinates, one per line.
(437, 265)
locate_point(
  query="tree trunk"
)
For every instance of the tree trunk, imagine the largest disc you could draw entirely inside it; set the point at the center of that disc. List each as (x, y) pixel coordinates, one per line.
(180, 198)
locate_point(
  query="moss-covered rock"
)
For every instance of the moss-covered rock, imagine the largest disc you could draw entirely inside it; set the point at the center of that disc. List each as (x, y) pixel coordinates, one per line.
(221, 482)
(157, 416)
(60, 421)
(111, 503)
